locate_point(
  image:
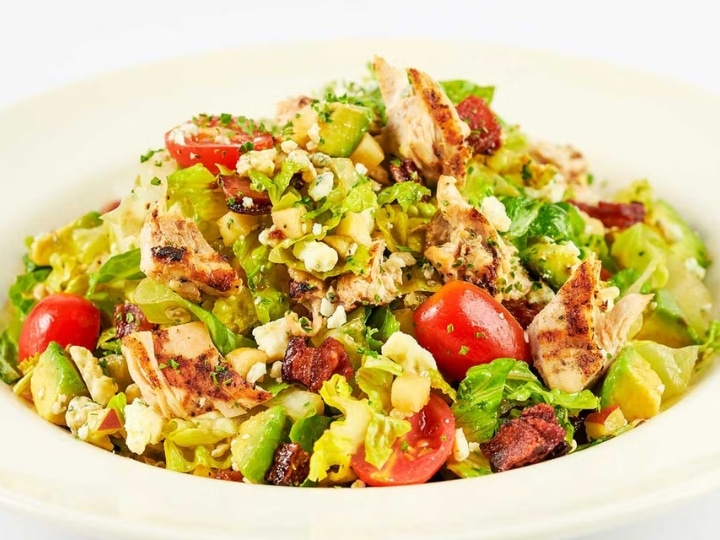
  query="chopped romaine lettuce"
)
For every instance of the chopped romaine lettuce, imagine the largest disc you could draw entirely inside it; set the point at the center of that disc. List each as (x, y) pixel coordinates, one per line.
(459, 89)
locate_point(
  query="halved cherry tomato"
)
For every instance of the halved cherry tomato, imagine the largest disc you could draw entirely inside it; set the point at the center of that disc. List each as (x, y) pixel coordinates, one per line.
(463, 326)
(216, 140)
(418, 454)
(65, 318)
(485, 128)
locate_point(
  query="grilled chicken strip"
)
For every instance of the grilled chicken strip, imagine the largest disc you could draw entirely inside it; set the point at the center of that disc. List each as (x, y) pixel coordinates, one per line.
(575, 337)
(174, 252)
(463, 244)
(181, 374)
(422, 123)
(380, 284)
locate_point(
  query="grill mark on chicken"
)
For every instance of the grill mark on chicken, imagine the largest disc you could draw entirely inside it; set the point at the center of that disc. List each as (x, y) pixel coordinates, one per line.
(181, 373)
(174, 252)
(463, 245)
(290, 465)
(168, 254)
(423, 124)
(311, 366)
(533, 437)
(573, 339)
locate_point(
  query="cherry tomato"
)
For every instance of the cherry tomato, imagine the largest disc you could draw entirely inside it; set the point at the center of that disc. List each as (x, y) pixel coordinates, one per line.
(216, 140)
(463, 326)
(417, 455)
(485, 128)
(65, 318)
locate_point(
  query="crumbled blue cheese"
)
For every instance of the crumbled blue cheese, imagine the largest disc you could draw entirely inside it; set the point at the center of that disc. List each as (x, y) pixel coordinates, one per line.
(317, 256)
(406, 351)
(100, 386)
(461, 449)
(316, 229)
(321, 186)
(182, 132)
(326, 307)
(273, 338)
(260, 160)
(288, 146)
(361, 169)
(256, 372)
(143, 426)
(338, 318)
(77, 412)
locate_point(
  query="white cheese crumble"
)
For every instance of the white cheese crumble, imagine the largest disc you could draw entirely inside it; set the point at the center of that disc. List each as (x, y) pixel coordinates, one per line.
(316, 229)
(326, 307)
(317, 256)
(182, 132)
(143, 425)
(461, 450)
(494, 211)
(361, 169)
(403, 349)
(247, 202)
(337, 319)
(77, 412)
(276, 370)
(100, 386)
(260, 160)
(256, 372)
(222, 139)
(322, 186)
(288, 146)
(272, 338)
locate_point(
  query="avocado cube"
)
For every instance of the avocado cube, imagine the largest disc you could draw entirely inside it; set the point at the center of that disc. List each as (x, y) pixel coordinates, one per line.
(632, 384)
(253, 448)
(342, 128)
(55, 381)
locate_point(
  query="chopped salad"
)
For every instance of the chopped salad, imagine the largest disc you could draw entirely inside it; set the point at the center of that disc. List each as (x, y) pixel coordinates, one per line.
(387, 283)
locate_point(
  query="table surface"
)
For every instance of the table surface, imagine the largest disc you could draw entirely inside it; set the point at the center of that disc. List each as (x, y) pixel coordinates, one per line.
(45, 44)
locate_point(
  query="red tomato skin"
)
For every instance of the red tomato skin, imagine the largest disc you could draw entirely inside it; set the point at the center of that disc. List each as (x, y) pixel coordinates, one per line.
(203, 148)
(429, 444)
(67, 319)
(463, 326)
(486, 135)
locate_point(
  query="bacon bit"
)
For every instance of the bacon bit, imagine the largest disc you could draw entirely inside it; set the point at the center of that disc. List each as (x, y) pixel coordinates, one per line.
(312, 366)
(614, 215)
(228, 474)
(290, 465)
(237, 188)
(485, 129)
(522, 310)
(533, 437)
(404, 171)
(129, 318)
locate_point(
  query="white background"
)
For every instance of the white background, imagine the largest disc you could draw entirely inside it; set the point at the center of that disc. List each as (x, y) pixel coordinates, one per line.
(46, 44)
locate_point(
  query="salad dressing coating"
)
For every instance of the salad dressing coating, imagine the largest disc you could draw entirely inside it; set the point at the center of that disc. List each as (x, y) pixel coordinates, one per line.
(385, 284)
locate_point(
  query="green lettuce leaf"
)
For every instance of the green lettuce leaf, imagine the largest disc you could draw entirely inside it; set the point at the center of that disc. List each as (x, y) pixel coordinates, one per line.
(263, 280)
(491, 391)
(186, 460)
(276, 186)
(120, 267)
(459, 89)
(21, 292)
(342, 439)
(406, 194)
(8, 358)
(207, 429)
(196, 192)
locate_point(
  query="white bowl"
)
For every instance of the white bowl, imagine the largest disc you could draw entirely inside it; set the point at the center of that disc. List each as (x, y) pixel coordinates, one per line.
(72, 150)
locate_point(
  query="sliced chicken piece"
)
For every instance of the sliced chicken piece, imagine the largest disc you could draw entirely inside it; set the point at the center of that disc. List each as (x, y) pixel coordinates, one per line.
(463, 244)
(379, 285)
(572, 168)
(181, 374)
(575, 337)
(174, 252)
(422, 123)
